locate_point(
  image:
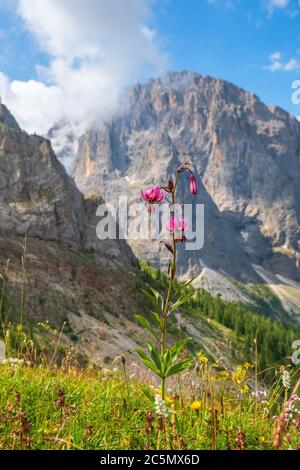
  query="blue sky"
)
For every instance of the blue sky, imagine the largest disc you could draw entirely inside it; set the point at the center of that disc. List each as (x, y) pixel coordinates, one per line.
(235, 43)
(253, 43)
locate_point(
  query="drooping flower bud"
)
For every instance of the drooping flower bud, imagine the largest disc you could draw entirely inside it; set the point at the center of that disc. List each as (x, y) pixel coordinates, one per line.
(193, 185)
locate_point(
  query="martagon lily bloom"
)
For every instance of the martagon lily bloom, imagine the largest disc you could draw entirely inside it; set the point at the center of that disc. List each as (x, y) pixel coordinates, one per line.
(193, 185)
(154, 195)
(175, 225)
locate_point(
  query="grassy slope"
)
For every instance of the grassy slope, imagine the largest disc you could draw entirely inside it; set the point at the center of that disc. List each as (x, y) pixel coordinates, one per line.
(96, 413)
(226, 330)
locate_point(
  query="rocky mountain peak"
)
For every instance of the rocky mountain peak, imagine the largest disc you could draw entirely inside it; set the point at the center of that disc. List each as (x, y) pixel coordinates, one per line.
(246, 155)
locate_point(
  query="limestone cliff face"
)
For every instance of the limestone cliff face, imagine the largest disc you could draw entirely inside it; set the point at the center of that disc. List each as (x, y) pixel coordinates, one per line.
(39, 199)
(246, 154)
(70, 276)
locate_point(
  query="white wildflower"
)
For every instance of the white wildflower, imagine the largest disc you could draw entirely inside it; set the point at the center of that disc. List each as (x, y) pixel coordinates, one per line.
(286, 379)
(260, 396)
(14, 362)
(161, 407)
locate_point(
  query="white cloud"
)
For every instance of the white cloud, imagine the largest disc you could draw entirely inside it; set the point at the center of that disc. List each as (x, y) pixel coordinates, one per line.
(276, 64)
(279, 3)
(96, 47)
(271, 5)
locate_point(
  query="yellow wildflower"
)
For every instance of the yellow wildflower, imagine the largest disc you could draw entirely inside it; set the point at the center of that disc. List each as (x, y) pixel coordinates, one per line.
(196, 405)
(244, 390)
(239, 375)
(169, 400)
(202, 359)
(224, 375)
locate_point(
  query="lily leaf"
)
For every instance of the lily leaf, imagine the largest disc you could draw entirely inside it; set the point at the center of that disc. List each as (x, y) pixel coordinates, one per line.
(157, 319)
(180, 367)
(185, 284)
(150, 297)
(178, 347)
(179, 302)
(155, 356)
(148, 362)
(145, 324)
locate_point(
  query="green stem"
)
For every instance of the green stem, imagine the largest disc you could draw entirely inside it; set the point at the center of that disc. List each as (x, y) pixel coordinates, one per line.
(166, 305)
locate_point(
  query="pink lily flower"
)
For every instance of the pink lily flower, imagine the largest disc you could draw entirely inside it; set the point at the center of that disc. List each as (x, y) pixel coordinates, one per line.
(175, 225)
(153, 195)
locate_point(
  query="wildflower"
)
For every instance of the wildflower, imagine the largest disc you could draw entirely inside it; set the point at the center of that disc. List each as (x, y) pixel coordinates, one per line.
(169, 400)
(149, 422)
(182, 444)
(178, 225)
(261, 396)
(286, 379)
(161, 407)
(196, 405)
(292, 410)
(193, 185)
(25, 423)
(243, 390)
(202, 359)
(175, 225)
(239, 440)
(154, 195)
(13, 361)
(60, 403)
(224, 375)
(247, 365)
(239, 375)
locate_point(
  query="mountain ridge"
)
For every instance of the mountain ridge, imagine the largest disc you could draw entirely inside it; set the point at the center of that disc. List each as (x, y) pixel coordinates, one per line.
(246, 156)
